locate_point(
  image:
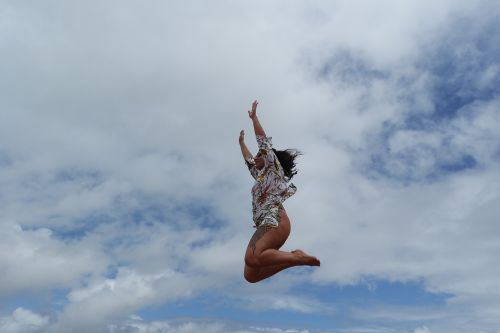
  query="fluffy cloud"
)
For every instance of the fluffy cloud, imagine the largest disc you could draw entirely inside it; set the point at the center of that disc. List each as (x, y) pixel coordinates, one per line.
(121, 178)
(34, 259)
(106, 300)
(23, 321)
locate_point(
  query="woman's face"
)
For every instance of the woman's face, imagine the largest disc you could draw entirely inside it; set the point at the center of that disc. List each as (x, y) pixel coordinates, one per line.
(259, 161)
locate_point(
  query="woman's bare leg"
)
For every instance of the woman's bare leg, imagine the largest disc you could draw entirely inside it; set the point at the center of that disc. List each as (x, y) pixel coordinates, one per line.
(263, 257)
(256, 274)
(253, 274)
(265, 238)
(272, 257)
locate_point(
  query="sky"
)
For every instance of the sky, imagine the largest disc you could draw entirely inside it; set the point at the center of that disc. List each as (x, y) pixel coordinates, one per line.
(125, 202)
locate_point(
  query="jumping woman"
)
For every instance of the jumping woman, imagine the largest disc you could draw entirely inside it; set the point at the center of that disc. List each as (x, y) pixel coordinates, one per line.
(272, 170)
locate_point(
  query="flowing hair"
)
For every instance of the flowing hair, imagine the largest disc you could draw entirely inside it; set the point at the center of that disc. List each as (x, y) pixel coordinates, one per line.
(287, 161)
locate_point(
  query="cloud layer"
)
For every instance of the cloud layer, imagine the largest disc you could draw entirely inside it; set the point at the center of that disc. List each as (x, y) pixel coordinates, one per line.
(122, 185)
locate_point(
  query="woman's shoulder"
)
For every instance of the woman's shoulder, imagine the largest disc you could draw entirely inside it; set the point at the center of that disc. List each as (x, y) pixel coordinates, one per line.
(264, 142)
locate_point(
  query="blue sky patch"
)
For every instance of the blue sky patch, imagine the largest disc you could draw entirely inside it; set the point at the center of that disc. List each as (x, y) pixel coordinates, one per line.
(369, 293)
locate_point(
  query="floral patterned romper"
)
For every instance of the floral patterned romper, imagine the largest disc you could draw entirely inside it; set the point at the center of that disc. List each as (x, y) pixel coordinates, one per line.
(271, 186)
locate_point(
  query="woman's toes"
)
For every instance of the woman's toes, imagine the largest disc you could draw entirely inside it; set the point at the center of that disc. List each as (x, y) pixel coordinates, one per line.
(299, 252)
(316, 262)
(306, 259)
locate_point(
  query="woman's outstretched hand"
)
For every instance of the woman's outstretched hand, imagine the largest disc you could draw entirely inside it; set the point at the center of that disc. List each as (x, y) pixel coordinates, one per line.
(252, 114)
(242, 136)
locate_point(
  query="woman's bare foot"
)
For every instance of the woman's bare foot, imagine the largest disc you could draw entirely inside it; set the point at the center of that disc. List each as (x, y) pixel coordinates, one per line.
(307, 259)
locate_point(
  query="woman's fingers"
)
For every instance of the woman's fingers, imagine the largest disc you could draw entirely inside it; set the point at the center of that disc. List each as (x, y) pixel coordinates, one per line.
(252, 113)
(254, 106)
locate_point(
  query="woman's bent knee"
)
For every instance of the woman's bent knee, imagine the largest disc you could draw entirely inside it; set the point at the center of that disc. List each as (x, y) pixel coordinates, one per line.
(251, 275)
(251, 260)
(251, 278)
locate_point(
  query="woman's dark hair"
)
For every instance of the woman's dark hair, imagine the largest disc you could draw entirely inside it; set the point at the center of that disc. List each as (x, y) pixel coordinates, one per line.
(287, 161)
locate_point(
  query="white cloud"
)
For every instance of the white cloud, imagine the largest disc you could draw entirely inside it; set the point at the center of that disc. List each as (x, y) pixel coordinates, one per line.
(35, 259)
(422, 329)
(23, 321)
(275, 301)
(137, 325)
(102, 301)
(401, 313)
(165, 327)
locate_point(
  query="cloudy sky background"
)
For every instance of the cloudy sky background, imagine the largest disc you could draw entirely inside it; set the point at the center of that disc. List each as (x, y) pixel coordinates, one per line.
(125, 203)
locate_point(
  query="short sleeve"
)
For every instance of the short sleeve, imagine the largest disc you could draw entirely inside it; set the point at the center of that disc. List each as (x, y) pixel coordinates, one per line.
(266, 147)
(251, 166)
(264, 142)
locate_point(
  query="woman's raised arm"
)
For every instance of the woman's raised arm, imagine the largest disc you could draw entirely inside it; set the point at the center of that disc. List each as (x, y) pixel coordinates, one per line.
(244, 150)
(256, 124)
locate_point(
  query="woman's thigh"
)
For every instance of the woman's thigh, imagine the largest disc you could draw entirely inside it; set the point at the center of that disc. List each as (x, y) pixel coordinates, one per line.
(269, 238)
(284, 225)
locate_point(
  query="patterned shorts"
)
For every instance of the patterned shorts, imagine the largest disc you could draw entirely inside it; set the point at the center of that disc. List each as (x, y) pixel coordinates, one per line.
(270, 217)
